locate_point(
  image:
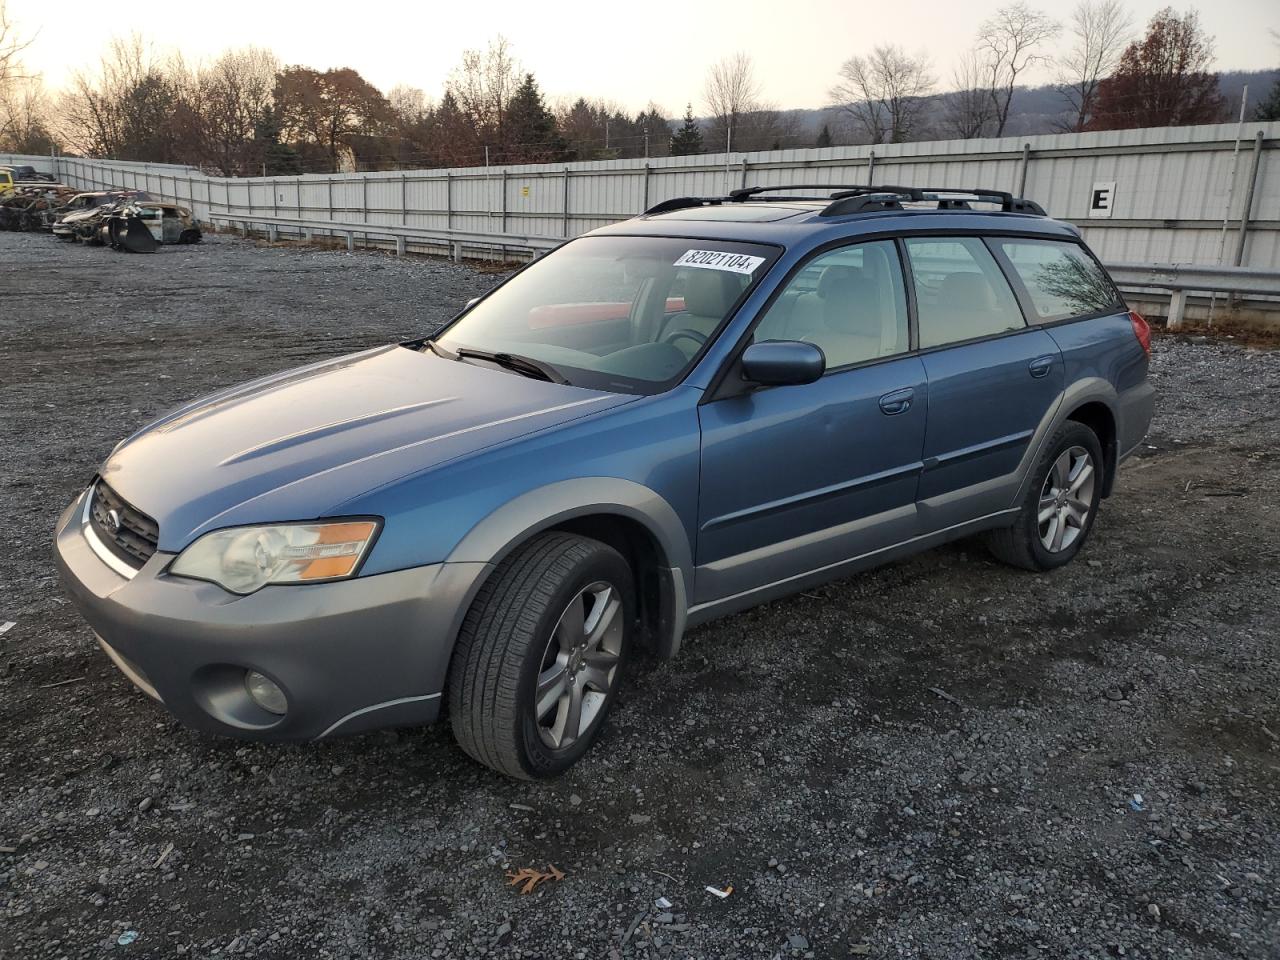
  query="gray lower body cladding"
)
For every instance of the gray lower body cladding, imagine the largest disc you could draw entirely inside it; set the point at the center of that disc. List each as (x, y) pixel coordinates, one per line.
(351, 655)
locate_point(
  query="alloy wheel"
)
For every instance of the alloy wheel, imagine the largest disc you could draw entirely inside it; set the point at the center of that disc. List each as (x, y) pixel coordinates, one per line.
(1066, 499)
(579, 664)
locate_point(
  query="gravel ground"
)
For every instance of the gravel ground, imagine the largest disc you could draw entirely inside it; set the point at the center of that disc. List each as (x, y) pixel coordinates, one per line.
(939, 759)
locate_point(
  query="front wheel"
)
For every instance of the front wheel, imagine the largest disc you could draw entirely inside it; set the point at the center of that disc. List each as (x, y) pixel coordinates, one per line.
(1060, 506)
(540, 655)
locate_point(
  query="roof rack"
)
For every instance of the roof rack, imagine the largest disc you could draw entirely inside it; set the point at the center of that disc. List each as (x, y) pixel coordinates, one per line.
(860, 200)
(845, 199)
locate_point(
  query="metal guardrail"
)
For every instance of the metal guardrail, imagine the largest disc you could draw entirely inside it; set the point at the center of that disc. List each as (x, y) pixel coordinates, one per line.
(400, 233)
(1178, 278)
(1183, 278)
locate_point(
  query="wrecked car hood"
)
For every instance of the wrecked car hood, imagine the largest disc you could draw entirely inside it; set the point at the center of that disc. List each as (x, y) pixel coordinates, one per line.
(295, 445)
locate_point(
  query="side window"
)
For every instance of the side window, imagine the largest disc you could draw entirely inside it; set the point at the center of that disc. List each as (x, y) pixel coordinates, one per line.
(960, 292)
(850, 302)
(1061, 279)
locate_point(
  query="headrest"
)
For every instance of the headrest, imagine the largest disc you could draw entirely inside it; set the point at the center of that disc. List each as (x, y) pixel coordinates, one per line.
(853, 306)
(710, 293)
(833, 275)
(965, 291)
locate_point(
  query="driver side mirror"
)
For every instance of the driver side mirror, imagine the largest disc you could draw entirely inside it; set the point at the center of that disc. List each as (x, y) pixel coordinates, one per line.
(778, 363)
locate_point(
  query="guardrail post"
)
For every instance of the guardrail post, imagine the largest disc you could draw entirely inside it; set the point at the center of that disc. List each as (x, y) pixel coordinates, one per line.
(400, 246)
(273, 233)
(564, 206)
(1022, 176)
(1177, 309)
(457, 252)
(871, 168)
(1247, 212)
(351, 242)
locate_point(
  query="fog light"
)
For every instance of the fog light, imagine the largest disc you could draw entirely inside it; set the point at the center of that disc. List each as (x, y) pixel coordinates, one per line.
(265, 693)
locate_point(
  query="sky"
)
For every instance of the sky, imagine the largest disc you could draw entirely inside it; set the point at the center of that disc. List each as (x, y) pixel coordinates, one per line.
(629, 53)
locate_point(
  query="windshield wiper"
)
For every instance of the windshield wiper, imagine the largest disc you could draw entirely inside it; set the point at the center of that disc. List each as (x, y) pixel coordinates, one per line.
(526, 366)
(439, 350)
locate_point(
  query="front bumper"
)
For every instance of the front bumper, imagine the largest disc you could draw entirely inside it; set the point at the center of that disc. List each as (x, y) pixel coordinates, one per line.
(351, 655)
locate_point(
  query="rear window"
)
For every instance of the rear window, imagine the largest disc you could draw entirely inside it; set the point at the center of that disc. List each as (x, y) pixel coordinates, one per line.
(1062, 281)
(960, 292)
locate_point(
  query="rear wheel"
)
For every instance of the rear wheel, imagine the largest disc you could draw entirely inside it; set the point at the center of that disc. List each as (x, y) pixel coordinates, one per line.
(540, 656)
(1061, 503)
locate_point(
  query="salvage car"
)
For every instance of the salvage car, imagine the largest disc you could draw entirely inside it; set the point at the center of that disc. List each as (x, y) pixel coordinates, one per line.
(84, 208)
(720, 402)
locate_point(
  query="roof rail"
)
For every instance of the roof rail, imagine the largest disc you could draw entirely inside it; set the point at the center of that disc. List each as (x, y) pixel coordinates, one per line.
(845, 199)
(947, 198)
(746, 193)
(681, 203)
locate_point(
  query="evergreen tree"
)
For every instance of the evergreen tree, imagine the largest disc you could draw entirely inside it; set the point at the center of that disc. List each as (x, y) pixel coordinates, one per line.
(688, 139)
(530, 128)
(1269, 109)
(824, 138)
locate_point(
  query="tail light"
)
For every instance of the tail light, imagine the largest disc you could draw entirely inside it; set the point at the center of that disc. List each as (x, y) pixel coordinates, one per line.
(1141, 330)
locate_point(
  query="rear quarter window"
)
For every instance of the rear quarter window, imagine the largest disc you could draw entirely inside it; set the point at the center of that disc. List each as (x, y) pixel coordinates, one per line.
(1061, 280)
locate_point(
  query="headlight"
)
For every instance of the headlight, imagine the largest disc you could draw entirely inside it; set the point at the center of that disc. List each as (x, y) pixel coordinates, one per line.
(244, 559)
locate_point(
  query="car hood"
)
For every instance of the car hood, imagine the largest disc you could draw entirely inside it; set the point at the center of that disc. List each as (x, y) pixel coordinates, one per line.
(296, 445)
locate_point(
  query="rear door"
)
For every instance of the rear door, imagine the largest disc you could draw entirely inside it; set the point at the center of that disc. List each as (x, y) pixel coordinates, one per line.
(992, 380)
(800, 478)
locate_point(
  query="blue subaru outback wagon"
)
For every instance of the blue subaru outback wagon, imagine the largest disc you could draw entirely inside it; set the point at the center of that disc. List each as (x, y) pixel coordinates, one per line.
(719, 402)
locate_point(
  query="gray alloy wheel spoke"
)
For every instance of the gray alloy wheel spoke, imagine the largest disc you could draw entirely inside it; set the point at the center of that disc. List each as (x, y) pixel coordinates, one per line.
(579, 665)
(552, 683)
(1082, 475)
(573, 715)
(570, 630)
(1066, 499)
(604, 611)
(1062, 471)
(1060, 533)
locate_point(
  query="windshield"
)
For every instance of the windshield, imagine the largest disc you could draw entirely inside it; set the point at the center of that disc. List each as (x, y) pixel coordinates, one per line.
(627, 314)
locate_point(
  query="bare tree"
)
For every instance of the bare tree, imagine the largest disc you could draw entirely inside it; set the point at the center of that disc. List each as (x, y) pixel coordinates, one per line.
(969, 110)
(96, 106)
(12, 46)
(1007, 42)
(1101, 30)
(25, 112)
(12, 74)
(483, 85)
(885, 93)
(731, 91)
(230, 99)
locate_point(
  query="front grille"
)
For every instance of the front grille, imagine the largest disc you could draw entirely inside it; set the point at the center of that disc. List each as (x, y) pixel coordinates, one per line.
(127, 532)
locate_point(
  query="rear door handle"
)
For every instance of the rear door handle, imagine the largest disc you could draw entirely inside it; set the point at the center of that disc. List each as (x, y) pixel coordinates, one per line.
(899, 401)
(1040, 366)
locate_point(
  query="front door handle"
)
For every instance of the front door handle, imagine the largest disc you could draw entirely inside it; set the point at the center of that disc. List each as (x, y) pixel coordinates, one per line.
(1040, 366)
(899, 401)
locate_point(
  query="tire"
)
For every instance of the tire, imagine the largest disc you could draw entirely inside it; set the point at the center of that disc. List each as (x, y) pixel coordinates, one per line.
(519, 633)
(1029, 542)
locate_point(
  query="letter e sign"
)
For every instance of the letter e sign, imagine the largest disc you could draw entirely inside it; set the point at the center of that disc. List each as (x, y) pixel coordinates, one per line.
(1102, 198)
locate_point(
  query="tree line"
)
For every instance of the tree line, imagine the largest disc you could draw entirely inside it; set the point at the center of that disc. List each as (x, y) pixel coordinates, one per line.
(1107, 78)
(245, 113)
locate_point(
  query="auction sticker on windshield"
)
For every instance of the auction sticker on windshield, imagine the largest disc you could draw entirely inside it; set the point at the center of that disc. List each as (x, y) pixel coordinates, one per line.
(719, 260)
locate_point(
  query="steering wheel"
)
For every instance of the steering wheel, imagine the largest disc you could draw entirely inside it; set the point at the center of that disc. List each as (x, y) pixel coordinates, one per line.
(694, 335)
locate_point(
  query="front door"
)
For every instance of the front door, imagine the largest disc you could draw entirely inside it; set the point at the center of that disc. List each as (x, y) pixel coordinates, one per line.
(799, 478)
